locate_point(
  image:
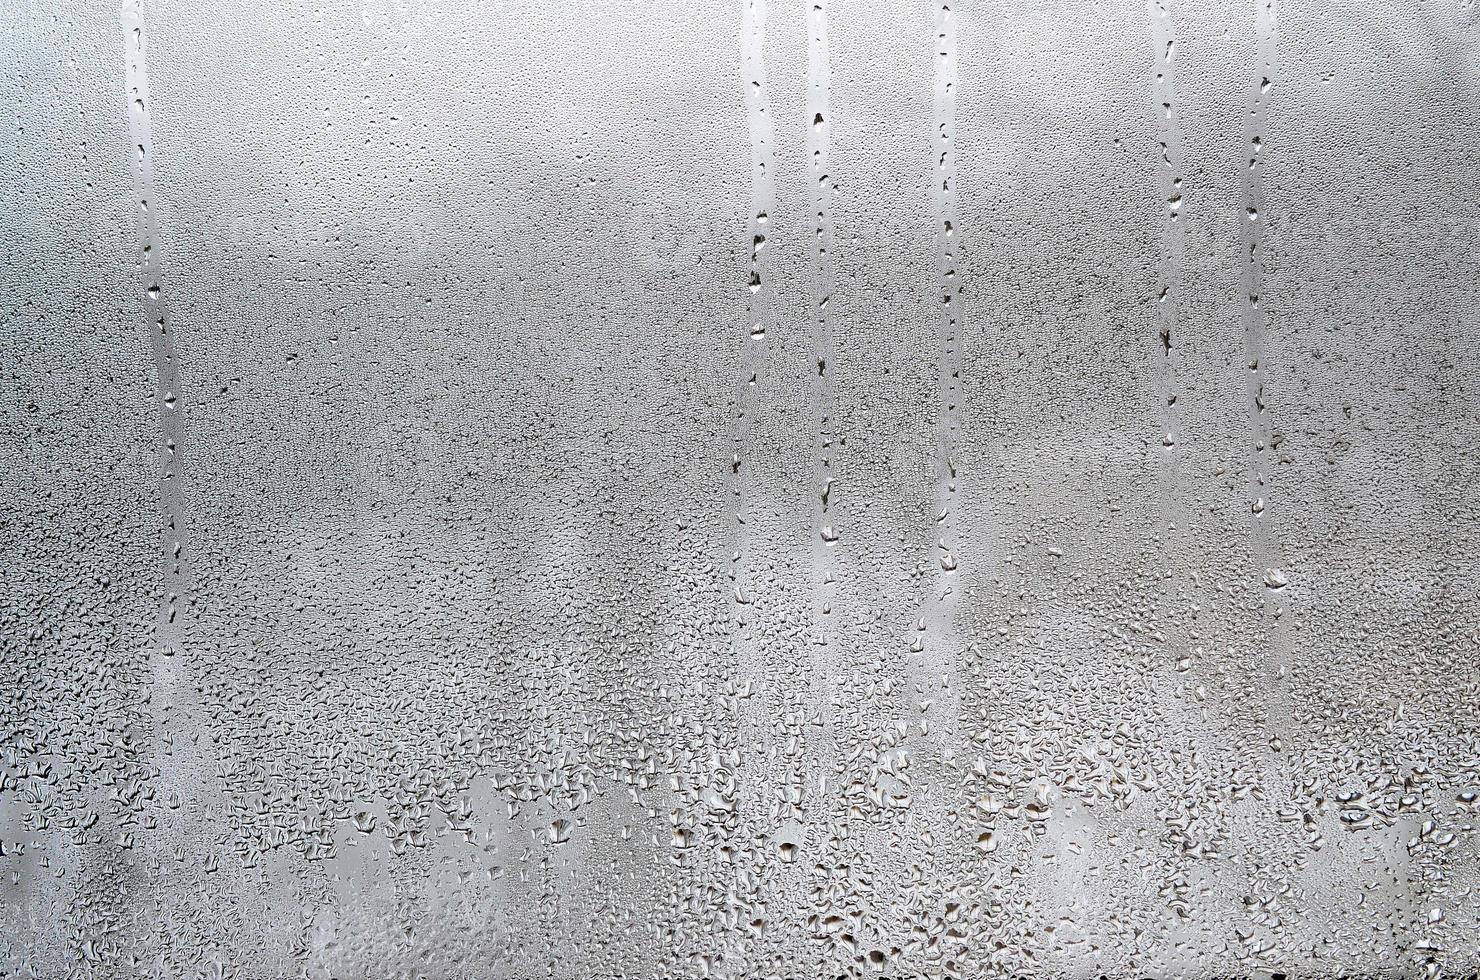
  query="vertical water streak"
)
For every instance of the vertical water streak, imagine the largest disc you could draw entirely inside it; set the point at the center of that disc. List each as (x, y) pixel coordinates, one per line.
(186, 778)
(1265, 545)
(1170, 175)
(744, 642)
(936, 639)
(1174, 537)
(825, 534)
(753, 355)
(166, 365)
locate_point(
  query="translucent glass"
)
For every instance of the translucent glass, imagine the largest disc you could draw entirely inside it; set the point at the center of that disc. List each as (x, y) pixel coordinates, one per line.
(740, 489)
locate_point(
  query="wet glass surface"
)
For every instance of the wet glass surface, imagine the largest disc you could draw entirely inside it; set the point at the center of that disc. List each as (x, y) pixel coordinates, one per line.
(740, 489)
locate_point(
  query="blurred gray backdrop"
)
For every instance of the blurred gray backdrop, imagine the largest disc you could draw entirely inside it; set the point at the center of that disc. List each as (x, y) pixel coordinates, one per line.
(739, 488)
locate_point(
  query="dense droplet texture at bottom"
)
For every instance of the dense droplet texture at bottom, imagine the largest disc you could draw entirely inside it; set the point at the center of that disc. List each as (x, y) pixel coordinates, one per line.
(739, 489)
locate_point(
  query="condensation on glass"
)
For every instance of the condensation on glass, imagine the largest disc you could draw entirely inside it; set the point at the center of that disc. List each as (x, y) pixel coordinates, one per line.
(740, 489)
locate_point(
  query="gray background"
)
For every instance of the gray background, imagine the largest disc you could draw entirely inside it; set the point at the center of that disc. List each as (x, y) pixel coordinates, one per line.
(473, 668)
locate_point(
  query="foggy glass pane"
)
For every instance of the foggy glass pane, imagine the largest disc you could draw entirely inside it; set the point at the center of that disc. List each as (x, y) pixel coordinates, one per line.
(740, 489)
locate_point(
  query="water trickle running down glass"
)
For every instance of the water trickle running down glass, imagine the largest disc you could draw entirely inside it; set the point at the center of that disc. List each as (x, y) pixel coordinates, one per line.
(740, 489)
